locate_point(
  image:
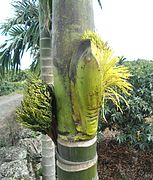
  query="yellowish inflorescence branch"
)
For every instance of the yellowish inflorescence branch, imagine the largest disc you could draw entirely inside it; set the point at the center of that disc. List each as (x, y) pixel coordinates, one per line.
(98, 78)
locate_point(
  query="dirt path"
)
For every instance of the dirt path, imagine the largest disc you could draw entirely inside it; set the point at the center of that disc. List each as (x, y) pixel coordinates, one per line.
(8, 105)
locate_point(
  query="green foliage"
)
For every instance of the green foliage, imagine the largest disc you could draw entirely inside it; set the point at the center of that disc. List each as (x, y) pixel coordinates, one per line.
(15, 77)
(12, 82)
(131, 124)
(22, 31)
(143, 81)
(35, 110)
(10, 87)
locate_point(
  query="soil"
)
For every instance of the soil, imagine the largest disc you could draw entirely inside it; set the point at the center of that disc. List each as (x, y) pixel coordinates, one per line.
(119, 162)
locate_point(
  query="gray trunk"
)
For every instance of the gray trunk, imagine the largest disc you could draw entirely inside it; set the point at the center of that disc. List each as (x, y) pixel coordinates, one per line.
(48, 158)
(48, 147)
(45, 41)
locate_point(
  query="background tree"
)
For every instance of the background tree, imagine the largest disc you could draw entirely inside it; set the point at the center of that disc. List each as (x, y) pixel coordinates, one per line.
(22, 33)
(48, 147)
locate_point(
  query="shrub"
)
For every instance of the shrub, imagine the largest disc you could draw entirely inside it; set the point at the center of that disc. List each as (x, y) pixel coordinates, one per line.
(131, 123)
(12, 82)
(7, 87)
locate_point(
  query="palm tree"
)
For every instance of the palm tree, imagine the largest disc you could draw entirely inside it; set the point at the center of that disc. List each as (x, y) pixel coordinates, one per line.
(85, 75)
(22, 33)
(45, 14)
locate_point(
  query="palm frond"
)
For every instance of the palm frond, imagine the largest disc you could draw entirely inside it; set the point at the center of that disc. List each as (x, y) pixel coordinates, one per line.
(100, 4)
(23, 34)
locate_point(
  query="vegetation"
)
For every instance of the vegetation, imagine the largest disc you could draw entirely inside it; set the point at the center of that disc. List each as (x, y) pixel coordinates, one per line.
(22, 33)
(12, 82)
(45, 19)
(133, 123)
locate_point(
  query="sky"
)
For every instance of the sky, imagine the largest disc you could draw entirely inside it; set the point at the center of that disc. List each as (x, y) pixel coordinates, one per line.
(127, 26)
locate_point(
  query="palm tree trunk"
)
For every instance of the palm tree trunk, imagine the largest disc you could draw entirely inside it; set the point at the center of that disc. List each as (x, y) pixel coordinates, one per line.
(76, 159)
(48, 147)
(45, 41)
(48, 158)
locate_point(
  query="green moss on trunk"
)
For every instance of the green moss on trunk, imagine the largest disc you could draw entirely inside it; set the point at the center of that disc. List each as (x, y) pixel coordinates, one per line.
(70, 20)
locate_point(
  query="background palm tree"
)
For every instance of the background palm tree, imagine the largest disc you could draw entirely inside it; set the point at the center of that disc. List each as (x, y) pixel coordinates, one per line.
(46, 67)
(22, 33)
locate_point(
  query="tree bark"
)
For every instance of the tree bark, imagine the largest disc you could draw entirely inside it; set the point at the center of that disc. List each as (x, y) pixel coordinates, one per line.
(76, 160)
(48, 147)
